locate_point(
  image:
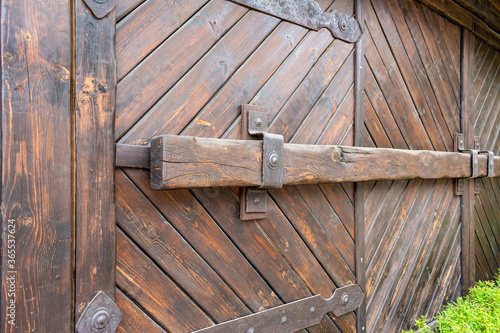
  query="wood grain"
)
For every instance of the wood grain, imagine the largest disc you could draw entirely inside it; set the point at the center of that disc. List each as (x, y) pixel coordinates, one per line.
(185, 162)
(95, 81)
(36, 166)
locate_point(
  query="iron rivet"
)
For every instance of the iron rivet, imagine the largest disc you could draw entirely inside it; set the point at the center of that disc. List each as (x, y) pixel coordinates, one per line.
(345, 299)
(256, 201)
(311, 13)
(258, 122)
(342, 25)
(312, 309)
(283, 319)
(100, 319)
(282, 3)
(273, 160)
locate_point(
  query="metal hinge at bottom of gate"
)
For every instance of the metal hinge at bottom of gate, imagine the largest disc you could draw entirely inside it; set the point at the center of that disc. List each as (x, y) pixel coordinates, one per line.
(100, 316)
(294, 316)
(253, 201)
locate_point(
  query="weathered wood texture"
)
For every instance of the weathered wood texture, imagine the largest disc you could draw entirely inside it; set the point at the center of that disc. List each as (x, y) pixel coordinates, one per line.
(95, 81)
(36, 166)
(467, 128)
(487, 127)
(413, 235)
(187, 72)
(477, 16)
(187, 162)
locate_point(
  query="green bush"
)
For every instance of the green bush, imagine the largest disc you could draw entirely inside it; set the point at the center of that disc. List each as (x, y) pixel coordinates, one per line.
(479, 311)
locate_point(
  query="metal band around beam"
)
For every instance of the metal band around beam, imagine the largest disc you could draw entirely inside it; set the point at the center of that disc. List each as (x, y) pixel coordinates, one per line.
(294, 316)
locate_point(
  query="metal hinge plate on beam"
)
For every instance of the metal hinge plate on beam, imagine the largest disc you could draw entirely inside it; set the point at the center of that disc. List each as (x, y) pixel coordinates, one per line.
(253, 201)
(309, 14)
(294, 316)
(100, 316)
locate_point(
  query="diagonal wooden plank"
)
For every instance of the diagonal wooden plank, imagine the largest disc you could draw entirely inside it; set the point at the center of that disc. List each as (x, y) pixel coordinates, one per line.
(147, 285)
(191, 220)
(380, 105)
(414, 85)
(152, 78)
(156, 19)
(388, 75)
(175, 109)
(413, 234)
(134, 320)
(138, 217)
(313, 234)
(223, 206)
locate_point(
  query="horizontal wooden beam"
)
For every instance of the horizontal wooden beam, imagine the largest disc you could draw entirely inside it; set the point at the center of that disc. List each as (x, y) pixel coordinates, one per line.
(186, 162)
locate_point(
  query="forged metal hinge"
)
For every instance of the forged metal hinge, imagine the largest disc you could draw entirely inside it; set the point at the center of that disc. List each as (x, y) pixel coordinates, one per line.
(100, 316)
(101, 8)
(253, 201)
(309, 14)
(294, 316)
(475, 153)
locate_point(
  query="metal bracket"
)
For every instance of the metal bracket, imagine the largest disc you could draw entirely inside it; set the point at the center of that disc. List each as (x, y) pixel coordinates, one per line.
(101, 8)
(100, 316)
(309, 14)
(294, 316)
(255, 122)
(460, 147)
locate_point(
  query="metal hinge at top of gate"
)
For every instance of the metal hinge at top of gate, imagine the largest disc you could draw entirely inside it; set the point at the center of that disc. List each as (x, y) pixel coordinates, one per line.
(309, 14)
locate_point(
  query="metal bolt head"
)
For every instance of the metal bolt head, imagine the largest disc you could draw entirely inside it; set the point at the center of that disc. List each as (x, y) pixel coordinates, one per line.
(342, 25)
(251, 330)
(273, 160)
(256, 201)
(100, 319)
(312, 309)
(258, 122)
(283, 319)
(282, 3)
(345, 299)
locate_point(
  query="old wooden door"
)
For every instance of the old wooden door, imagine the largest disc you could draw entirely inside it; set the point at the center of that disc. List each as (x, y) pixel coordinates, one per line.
(184, 258)
(118, 73)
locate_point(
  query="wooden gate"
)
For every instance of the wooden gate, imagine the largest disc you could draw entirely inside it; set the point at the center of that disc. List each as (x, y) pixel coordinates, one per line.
(190, 78)
(184, 259)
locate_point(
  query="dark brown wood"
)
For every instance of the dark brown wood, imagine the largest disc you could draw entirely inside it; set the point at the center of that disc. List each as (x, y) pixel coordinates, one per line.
(186, 162)
(464, 18)
(486, 10)
(359, 141)
(467, 127)
(95, 81)
(36, 195)
(133, 318)
(130, 156)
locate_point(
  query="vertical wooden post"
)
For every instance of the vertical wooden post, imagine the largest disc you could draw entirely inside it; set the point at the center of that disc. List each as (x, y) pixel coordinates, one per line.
(359, 130)
(95, 81)
(467, 128)
(36, 262)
